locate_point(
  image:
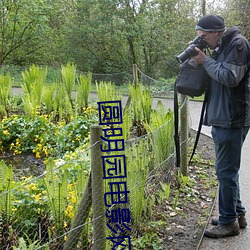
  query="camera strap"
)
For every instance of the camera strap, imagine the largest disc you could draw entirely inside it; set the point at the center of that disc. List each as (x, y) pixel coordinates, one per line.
(199, 127)
(176, 126)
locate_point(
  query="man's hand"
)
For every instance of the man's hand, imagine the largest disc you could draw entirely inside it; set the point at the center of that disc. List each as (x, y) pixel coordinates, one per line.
(200, 58)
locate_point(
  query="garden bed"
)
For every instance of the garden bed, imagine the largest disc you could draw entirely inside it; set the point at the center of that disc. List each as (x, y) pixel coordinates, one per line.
(179, 221)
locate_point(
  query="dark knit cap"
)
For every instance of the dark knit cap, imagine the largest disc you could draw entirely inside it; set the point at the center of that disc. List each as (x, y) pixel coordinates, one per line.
(211, 23)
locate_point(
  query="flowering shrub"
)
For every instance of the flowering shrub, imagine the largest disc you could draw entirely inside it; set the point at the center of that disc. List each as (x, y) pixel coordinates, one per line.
(43, 137)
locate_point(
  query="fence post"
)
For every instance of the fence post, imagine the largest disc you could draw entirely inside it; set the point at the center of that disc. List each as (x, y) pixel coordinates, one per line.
(99, 219)
(80, 218)
(135, 82)
(184, 135)
(135, 74)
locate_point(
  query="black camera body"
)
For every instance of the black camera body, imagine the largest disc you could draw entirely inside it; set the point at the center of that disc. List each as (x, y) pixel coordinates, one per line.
(190, 51)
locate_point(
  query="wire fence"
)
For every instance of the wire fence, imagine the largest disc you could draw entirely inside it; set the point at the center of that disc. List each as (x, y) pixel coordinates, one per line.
(78, 203)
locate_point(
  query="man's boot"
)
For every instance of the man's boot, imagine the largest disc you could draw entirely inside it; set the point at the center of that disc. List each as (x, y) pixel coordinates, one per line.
(241, 219)
(221, 231)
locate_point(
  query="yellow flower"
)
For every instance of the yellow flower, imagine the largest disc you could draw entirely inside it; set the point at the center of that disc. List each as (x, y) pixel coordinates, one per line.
(38, 156)
(73, 199)
(69, 211)
(31, 187)
(6, 132)
(37, 196)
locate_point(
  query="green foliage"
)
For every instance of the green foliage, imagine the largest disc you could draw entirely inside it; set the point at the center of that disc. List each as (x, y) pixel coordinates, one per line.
(141, 103)
(6, 184)
(30, 206)
(5, 90)
(106, 91)
(161, 128)
(138, 159)
(56, 183)
(48, 98)
(165, 190)
(22, 245)
(43, 137)
(83, 91)
(68, 74)
(148, 241)
(33, 85)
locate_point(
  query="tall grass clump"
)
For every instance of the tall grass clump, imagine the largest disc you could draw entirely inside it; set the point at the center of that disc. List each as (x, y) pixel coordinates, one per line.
(68, 74)
(83, 91)
(33, 85)
(138, 159)
(141, 106)
(5, 90)
(106, 91)
(161, 127)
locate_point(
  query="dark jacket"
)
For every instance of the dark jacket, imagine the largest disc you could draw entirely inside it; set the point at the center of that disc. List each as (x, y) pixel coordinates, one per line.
(229, 90)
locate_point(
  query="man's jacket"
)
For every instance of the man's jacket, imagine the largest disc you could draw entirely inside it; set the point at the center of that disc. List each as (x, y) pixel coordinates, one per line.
(228, 103)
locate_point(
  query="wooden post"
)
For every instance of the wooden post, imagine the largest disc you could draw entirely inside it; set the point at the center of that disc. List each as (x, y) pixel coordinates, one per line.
(80, 218)
(99, 219)
(184, 135)
(135, 74)
(135, 82)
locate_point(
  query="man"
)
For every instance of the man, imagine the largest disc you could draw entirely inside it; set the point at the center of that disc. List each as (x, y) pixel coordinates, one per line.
(228, 112)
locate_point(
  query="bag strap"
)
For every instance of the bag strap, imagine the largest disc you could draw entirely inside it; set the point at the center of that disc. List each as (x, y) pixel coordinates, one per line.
(176, 126)
(199, 127)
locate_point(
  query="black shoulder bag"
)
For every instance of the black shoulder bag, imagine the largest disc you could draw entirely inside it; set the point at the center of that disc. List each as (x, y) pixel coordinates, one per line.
(191, 81)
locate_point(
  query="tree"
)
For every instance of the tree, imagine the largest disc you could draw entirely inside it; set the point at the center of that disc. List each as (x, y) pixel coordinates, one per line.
(20, 22)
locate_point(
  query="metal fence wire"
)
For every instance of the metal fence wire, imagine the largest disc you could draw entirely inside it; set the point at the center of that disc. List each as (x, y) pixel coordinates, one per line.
(77, 203)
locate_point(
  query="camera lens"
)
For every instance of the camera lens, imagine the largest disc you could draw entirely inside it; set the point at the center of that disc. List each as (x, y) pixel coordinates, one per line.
(187, 53)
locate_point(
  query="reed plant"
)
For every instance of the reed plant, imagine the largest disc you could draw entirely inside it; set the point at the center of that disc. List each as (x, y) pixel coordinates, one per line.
(6, 184)
(106, 91)
(141, 103)
(138, 159)
(161, 128)
(34, 80)
(48, 98)
(5, 90)
(68, 74)
(62, 106)
(56, 184)
(83, 91)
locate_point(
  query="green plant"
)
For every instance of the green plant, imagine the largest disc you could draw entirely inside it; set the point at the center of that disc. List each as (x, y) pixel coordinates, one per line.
(5, 90)
(30, 208)
(83, 91)
(148, 241)
(48, 98)
(138, 159)
(68, 74)
(141, 103)
(165, 190)
(176, 199)
(22, 245)
(161, 128)
(6, 196)
(106, 91)
(34, 81)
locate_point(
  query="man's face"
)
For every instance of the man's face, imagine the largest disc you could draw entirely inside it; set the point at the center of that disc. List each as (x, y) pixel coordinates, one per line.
(211, 38)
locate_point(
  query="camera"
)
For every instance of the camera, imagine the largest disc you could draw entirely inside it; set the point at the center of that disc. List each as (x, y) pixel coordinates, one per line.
(190, 51)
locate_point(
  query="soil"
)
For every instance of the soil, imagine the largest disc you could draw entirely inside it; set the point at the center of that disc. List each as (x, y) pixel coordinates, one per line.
(25, 164)
(180, 219)
(187, 222)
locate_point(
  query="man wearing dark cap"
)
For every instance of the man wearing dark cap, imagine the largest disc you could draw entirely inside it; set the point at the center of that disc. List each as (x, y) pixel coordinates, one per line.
(228, 112)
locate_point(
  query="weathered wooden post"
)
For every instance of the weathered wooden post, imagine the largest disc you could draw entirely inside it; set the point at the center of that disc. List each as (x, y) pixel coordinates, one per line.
(80, 218)
(184, 135)
(135, 74)
(99, 219)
